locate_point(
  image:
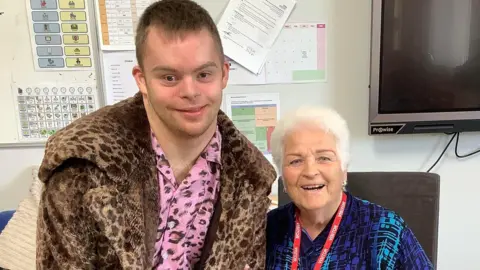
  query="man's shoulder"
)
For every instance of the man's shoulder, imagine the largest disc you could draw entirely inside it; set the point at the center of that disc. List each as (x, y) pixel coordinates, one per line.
(100, 121)
(240, 154)
(106, 137)
(78, 173)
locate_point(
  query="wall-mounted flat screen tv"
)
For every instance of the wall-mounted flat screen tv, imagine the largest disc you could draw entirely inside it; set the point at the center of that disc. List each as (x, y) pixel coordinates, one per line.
(425, 66)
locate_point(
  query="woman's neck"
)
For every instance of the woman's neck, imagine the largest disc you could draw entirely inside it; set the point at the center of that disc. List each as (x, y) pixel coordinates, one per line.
(315, 221)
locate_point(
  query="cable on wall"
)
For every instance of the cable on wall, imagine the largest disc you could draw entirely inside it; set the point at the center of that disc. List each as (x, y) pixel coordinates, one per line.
(454, 135)
(443, 152)
(466, 155)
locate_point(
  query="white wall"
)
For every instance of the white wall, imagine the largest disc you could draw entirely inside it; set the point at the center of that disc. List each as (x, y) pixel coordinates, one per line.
(16, 174)
(349, 70)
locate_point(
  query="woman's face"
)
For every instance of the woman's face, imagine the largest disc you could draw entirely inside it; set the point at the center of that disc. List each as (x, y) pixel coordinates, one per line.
(312, 171)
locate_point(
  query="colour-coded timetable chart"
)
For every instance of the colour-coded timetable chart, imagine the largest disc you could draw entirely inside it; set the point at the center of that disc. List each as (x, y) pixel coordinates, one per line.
(117, 20)
(298, 54)
(256, 122)
(255, 115)
(60, 34)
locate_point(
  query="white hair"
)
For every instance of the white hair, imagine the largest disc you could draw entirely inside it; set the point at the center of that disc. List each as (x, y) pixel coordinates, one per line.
(326, 119)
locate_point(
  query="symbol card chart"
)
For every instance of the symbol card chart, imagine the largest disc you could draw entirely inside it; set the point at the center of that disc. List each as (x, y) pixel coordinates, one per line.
(60, 34)
(44, 109)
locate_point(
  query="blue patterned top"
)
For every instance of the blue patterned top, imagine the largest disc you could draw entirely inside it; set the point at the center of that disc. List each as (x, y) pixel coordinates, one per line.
(369, 237)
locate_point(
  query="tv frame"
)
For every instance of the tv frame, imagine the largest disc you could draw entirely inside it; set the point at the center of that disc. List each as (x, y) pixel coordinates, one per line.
(407, 123)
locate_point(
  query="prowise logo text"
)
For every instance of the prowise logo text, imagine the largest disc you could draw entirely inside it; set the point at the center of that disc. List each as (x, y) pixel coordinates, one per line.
(385, 129)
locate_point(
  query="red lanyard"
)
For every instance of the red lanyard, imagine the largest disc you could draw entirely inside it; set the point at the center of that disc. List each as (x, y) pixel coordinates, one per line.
(328, 243)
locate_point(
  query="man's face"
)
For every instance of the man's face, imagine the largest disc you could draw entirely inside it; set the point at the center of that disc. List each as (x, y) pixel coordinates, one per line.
(182, 80)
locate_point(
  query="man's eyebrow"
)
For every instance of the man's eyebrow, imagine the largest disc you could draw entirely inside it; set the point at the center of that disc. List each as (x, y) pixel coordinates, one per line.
(169, 69)
(206, 65)
(163, 68)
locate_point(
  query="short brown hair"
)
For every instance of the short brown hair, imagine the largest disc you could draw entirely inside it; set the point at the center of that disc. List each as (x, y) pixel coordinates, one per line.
(175, 17)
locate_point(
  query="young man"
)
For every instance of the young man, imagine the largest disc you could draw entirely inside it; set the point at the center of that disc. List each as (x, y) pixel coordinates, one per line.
(162, 180)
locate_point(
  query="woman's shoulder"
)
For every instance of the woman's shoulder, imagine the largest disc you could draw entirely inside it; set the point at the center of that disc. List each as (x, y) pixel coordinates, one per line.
(387, 232)
(367, 210)
(280, 213)
(280, 220)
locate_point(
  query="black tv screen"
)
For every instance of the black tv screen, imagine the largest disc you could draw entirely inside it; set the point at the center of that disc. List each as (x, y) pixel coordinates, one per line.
(425, 73)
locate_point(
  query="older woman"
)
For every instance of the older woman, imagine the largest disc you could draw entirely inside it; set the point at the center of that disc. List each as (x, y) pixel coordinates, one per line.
(325, 227)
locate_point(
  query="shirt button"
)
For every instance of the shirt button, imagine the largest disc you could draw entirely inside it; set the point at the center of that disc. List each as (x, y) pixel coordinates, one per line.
(164, 255)
(171, 224)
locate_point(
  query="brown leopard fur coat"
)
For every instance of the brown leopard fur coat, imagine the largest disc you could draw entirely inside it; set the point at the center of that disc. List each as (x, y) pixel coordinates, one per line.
(100, 208)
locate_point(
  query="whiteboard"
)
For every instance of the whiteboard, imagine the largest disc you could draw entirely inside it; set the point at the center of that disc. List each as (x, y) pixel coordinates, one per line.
(50, 86)
(19, 71)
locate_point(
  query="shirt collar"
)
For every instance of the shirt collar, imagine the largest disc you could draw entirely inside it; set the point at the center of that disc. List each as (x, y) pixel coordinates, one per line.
(211, 152)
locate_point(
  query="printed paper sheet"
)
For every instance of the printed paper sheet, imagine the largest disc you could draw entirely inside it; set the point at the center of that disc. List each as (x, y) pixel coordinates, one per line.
(255, 115)
(241, 76)
(248, 29)
(119, 81)
(117, 21)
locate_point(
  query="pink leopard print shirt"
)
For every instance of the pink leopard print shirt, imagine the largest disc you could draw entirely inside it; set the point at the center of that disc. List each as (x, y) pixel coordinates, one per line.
(186, 209)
